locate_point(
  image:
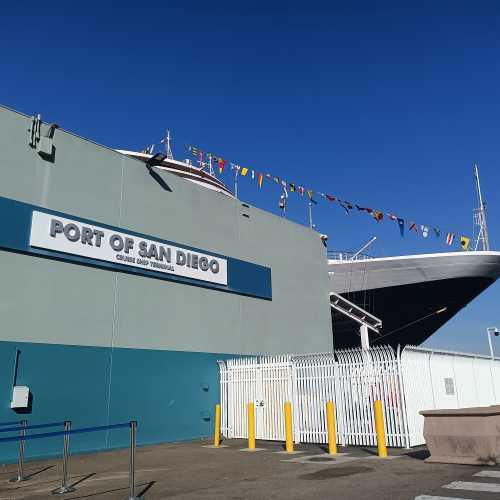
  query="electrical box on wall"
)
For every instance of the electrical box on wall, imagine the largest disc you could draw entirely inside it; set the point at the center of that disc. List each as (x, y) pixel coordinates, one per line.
(20, 396)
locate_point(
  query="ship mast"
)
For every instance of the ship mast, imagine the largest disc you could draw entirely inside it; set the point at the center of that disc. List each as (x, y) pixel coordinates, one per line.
(210, 166)
(480, 217)
(168, 150)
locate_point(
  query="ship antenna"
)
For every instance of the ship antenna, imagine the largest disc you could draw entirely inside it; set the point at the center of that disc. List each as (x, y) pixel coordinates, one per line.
(480, 217)
(210, 166)
(166, 140)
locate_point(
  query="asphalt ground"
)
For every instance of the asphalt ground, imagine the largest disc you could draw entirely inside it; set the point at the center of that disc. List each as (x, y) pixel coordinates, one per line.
(194, 471)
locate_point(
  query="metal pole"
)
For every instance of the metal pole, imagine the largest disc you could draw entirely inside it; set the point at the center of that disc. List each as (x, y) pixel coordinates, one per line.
(16, 365)
(365, 338)
(331, 427)
(20, 466)
(364, 247)
(310, 215)
(488, 332)
(236, 183)
(288, 427)
(65, 488)
(133, 431)
(379, 428)
(251, 426)
(217, 426)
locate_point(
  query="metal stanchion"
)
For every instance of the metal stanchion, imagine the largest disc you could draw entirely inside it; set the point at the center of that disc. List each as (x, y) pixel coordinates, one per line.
(133, 432)
(65, 488)
(20, 467)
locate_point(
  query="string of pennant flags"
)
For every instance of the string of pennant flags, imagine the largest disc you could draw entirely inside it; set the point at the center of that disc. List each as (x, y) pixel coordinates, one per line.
(292, 187)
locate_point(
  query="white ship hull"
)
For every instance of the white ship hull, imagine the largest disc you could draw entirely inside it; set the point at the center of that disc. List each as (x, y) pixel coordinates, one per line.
(414, 295)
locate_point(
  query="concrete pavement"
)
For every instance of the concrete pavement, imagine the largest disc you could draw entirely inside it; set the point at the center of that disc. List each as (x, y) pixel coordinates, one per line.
(194, 471)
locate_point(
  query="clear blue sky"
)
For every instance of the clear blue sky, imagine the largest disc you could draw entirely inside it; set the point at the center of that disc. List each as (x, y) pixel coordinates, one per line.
(381, 103)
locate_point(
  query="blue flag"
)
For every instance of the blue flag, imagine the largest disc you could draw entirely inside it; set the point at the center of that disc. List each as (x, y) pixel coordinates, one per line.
(401, 224)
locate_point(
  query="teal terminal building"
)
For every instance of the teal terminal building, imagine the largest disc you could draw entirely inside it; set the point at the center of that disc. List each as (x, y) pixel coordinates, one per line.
(122, 284)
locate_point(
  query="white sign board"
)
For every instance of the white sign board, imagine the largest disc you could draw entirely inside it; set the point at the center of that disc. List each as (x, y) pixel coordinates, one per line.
(69, 236)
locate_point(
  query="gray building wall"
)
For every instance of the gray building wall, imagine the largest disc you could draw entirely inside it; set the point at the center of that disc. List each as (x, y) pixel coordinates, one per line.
(112, 309)
(98, 346)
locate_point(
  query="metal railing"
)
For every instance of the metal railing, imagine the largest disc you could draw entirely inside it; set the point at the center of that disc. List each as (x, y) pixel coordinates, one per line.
(65, 487)
(23, 428)
(340, 255)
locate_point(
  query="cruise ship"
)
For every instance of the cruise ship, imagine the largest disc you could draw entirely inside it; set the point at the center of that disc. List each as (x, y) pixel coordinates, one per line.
(407, 298)
(412, 295)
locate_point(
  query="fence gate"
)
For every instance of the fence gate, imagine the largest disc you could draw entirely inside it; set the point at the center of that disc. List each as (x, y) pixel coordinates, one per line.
(267, 381)
(353, 379)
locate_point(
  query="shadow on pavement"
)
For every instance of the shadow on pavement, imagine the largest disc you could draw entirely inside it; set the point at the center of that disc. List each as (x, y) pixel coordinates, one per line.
(33, 474)
(146, 487)
(335, 472)
(418, 454)
(83, 478)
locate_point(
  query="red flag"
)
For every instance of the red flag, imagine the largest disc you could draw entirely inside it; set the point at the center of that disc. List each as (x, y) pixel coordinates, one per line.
(364, 209)
(221, 165)
(329, 197)
(413, 226)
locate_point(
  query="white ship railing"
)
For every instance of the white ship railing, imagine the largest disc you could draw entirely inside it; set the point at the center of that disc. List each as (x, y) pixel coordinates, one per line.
(338, 255)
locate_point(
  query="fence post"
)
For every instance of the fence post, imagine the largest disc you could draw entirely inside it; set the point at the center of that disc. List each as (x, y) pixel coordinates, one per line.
(332, 430)
(217, 426)
(379, 428)
(65, 488)
(20, 466)
(251, 426)
(288, 427)
(133, 439)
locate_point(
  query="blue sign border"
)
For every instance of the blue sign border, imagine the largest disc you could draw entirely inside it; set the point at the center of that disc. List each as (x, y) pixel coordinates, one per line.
(244, 278)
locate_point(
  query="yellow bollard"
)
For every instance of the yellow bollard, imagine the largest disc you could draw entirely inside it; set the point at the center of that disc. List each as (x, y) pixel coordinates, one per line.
(379, 428)
(251, 426)
(217, 426)
(288, 427)
(331, 427)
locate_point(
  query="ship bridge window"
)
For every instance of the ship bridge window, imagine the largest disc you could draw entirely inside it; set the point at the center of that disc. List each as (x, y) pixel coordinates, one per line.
(245, 205)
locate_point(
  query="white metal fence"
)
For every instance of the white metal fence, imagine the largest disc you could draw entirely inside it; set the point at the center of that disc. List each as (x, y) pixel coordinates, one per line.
(406, 383)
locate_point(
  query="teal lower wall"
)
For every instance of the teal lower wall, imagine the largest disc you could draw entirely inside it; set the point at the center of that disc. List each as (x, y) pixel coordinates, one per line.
(171, 394)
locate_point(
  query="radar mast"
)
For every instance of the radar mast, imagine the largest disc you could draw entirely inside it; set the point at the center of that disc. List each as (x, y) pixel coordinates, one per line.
(166, 140)
(480, 227)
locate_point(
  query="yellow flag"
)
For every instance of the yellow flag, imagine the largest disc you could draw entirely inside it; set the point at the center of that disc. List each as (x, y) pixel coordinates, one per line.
(244, 171)
(464, 242)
